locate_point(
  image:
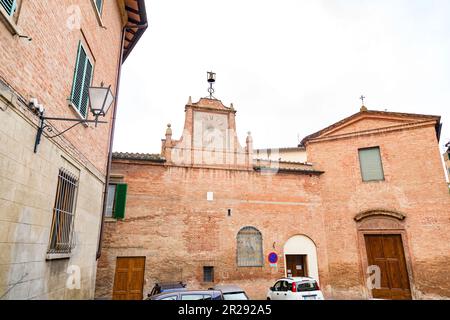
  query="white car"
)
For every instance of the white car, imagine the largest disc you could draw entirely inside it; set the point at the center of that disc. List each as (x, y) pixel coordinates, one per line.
(295, 288)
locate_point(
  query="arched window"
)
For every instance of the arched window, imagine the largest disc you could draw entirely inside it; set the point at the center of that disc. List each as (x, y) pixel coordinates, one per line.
(249, 248)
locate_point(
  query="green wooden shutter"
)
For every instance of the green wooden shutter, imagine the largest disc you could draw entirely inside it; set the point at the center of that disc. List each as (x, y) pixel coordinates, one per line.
(121, 198)
(9, 6)
(371, 166)
(99, 4)
(82, 79)
(86, 84)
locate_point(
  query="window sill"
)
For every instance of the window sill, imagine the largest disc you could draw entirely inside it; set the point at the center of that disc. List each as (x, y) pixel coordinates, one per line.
(57, 256)
(373, 181)
(10, 24)
(109, 219)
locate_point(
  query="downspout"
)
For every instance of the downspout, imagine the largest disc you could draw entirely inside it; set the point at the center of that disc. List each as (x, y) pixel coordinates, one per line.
(111, 135)
(111, 142)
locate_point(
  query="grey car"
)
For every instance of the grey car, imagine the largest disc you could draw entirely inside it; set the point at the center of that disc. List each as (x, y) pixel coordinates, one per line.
(231, 292)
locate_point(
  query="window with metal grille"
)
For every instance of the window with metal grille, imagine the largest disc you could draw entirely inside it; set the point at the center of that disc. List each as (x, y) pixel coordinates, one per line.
(99, 5)
(249, 248)
(208, 274)
(370, 163)
(9, 6)
(81, 81)
(63, 213)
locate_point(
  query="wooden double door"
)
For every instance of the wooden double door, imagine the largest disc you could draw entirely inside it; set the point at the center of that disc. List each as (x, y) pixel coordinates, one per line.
(386, 251)
(129, 278)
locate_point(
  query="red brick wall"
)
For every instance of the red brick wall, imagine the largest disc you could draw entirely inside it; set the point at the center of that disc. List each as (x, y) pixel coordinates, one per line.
(414, 185)
(169, 220)
(44, 67)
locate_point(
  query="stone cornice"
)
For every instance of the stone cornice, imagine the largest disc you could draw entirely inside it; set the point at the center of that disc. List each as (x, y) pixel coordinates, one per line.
(405, 126)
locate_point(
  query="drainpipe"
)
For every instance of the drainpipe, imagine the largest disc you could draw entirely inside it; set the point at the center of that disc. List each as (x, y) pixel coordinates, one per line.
(111, 136)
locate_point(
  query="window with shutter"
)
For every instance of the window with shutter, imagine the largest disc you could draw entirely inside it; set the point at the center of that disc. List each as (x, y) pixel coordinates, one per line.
(371, 165)
(110, 200)
(249, 248)
(9, 6)
(120, 201)
(99, 5)
(81, 81)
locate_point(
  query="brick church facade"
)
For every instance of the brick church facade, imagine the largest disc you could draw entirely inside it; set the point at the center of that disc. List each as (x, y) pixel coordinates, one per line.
(208, 210)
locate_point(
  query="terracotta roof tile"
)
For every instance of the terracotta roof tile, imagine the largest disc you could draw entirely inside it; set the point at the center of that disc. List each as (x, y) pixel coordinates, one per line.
(138, 156)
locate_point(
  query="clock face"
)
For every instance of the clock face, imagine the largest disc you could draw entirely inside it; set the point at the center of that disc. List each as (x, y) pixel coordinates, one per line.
(210, 130)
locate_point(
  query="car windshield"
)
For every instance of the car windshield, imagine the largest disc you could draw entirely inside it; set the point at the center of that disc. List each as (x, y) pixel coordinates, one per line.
(307, 286)
(235, 296)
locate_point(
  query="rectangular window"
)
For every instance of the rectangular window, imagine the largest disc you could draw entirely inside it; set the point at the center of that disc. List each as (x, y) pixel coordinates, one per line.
(116, 201)
(81, 81)
(111, 197)
(370, 163)
(99, 5)
(9, 6)
(208, 274)
(63, 213)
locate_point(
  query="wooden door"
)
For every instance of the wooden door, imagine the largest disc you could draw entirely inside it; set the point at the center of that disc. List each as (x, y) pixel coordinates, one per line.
(296, 265)
(386, 251)
(129, 278)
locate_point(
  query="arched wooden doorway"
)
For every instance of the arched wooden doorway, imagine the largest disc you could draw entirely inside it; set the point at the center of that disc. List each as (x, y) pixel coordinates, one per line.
(300, 256)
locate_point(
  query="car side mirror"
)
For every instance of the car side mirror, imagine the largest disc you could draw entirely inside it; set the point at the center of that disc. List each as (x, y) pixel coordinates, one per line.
(272, 289)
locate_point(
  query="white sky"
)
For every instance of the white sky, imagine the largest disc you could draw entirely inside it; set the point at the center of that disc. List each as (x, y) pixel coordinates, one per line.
(289, 67)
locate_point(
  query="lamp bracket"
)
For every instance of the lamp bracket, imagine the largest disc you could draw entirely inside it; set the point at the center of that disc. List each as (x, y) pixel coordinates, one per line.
(43, 125)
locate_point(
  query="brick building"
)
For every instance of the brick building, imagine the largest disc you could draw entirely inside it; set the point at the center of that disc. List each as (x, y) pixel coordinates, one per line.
(447, 158)
(51, 196)
(208, 210)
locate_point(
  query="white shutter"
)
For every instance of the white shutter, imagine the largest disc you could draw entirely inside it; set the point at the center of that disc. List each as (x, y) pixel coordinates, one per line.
(370, 162)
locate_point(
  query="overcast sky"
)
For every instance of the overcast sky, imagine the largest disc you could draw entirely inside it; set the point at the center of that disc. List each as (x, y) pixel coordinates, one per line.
(289, 67)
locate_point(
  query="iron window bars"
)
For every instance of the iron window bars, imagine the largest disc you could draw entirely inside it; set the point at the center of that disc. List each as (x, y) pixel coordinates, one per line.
(63, 213)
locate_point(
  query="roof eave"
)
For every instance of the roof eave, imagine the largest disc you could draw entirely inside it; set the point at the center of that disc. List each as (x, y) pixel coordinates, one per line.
(140, 26)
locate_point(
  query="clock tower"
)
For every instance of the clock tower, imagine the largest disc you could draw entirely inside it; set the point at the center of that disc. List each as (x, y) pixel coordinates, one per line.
(209, 138)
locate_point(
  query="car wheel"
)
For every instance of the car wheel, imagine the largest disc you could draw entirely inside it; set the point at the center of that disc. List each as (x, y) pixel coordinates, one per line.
(268, 298)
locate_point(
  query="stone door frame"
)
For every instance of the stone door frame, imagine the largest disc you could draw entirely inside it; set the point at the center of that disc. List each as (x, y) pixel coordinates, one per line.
(379, 222)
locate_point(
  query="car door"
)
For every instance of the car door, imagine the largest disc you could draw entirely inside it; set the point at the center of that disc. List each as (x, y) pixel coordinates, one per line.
(283, 293)
(275, 293)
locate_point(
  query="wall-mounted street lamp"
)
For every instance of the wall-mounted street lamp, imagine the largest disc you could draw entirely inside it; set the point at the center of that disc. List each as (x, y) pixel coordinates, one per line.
(100, 100)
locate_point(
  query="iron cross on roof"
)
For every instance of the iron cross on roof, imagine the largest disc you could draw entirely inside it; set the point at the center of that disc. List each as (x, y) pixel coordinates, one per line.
(362, 99)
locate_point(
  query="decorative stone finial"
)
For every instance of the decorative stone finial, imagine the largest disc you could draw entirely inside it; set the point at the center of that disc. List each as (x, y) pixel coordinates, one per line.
(249, 137)
(190, 100)
(231, 106)
(169, 130)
